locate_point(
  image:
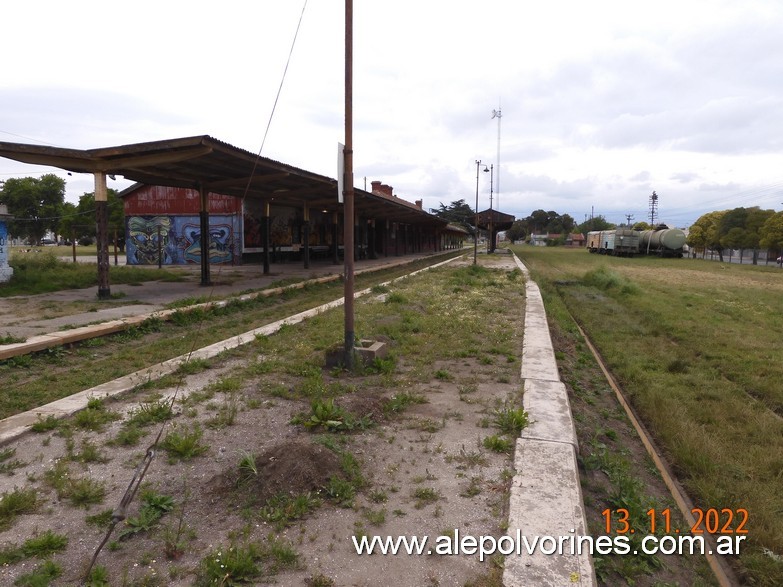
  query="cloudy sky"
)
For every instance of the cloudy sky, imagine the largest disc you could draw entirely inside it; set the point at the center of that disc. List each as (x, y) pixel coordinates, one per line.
(602, 102)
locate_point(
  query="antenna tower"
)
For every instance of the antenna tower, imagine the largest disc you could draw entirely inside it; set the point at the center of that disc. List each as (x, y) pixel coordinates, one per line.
(497, 114)
(653, 208)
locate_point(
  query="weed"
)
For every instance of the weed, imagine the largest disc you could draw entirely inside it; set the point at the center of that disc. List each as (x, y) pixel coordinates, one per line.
(319, 580)
(325, 413)
(185, 444)
(89, 453)
(282, 509)
(247, 466)
(378, 496)
(425, 496)
(153, 507)
(128, 435)
(147, 413)
(443, 375)
(341, 491)
(227, 412)
(396, 298)
(95, 416)
(99, 577)
(467, 459)
(375, 517)
(474, 487)
(499, 444)
(45, 424)
(511, 420)
(85, 492)
(400, 401)
(41, 576)
(15, 503)
(7, 465)
(101, 520)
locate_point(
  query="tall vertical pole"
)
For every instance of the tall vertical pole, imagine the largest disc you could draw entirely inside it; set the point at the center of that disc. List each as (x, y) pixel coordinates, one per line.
(348, 219)
(475, 236)
(102, 234)
(497, 114)
(491, 243)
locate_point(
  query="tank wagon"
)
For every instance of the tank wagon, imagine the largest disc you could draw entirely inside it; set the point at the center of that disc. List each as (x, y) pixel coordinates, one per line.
(620, 242)
(666, 242)
(663, 241)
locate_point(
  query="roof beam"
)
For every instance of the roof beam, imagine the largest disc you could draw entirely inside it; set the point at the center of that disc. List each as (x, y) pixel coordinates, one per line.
(242, 181)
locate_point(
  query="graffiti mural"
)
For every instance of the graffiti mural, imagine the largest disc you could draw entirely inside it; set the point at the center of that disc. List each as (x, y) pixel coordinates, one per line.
(179, 242)
(148, 238)
(220, 243)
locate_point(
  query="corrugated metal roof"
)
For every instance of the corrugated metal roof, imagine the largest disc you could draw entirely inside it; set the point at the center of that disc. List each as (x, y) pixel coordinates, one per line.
(202, 161)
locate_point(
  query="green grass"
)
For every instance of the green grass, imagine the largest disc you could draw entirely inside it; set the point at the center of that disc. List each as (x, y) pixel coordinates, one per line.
(695, 346)
(33, 380)
(44, 272)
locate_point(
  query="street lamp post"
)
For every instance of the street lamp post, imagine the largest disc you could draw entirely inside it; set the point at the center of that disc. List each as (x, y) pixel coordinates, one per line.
(475, 236)
(491, 241)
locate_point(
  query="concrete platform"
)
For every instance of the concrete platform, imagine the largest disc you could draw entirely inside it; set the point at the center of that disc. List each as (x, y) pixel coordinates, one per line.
(546, 510)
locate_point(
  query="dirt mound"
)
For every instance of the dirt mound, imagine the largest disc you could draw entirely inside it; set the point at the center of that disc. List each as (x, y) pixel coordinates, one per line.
(290, 467)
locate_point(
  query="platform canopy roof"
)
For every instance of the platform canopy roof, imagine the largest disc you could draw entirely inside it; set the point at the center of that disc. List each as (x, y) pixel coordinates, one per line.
(498, 220)
(204, 162)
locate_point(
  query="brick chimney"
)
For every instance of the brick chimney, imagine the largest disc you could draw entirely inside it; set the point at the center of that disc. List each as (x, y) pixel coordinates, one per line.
(381, 188)
(420, 203)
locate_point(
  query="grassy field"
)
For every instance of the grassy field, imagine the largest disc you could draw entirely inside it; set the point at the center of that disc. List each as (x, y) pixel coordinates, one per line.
(696, 347)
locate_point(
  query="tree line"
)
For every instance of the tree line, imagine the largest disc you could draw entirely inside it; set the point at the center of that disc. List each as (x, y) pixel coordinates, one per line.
(740, 228)
(39, 208)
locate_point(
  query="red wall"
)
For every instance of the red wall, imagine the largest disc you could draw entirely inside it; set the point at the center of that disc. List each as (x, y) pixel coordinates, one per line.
(155, 199)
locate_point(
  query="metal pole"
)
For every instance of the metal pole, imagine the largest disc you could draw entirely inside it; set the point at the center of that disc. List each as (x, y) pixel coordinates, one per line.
(475, 236)
(348, 218)
(491, 242)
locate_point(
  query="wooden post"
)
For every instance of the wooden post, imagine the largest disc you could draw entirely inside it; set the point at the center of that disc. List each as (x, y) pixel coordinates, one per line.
(102, 236)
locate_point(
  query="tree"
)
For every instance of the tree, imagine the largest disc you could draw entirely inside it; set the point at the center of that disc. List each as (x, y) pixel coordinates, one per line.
(595, 223)
(642, 225)
(36, 205)
(79, 221)
(458, 212)
(755, 220)
(517, 231)
(705, 232)
(771, 233)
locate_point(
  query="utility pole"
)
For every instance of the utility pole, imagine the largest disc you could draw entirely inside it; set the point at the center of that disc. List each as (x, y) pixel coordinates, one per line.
(628, 218)
(348, 210)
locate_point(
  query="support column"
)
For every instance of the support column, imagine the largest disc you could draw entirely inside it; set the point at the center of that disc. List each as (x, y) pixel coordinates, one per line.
(335, 234)
(204, 236)
(102, 234)
(265, 229)
(371, 239)
(306, 236)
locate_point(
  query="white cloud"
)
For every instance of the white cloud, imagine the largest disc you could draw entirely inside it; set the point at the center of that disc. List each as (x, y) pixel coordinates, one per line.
(602, 102)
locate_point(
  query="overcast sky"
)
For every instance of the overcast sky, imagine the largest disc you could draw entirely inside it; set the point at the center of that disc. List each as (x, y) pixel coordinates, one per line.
(602, 102)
